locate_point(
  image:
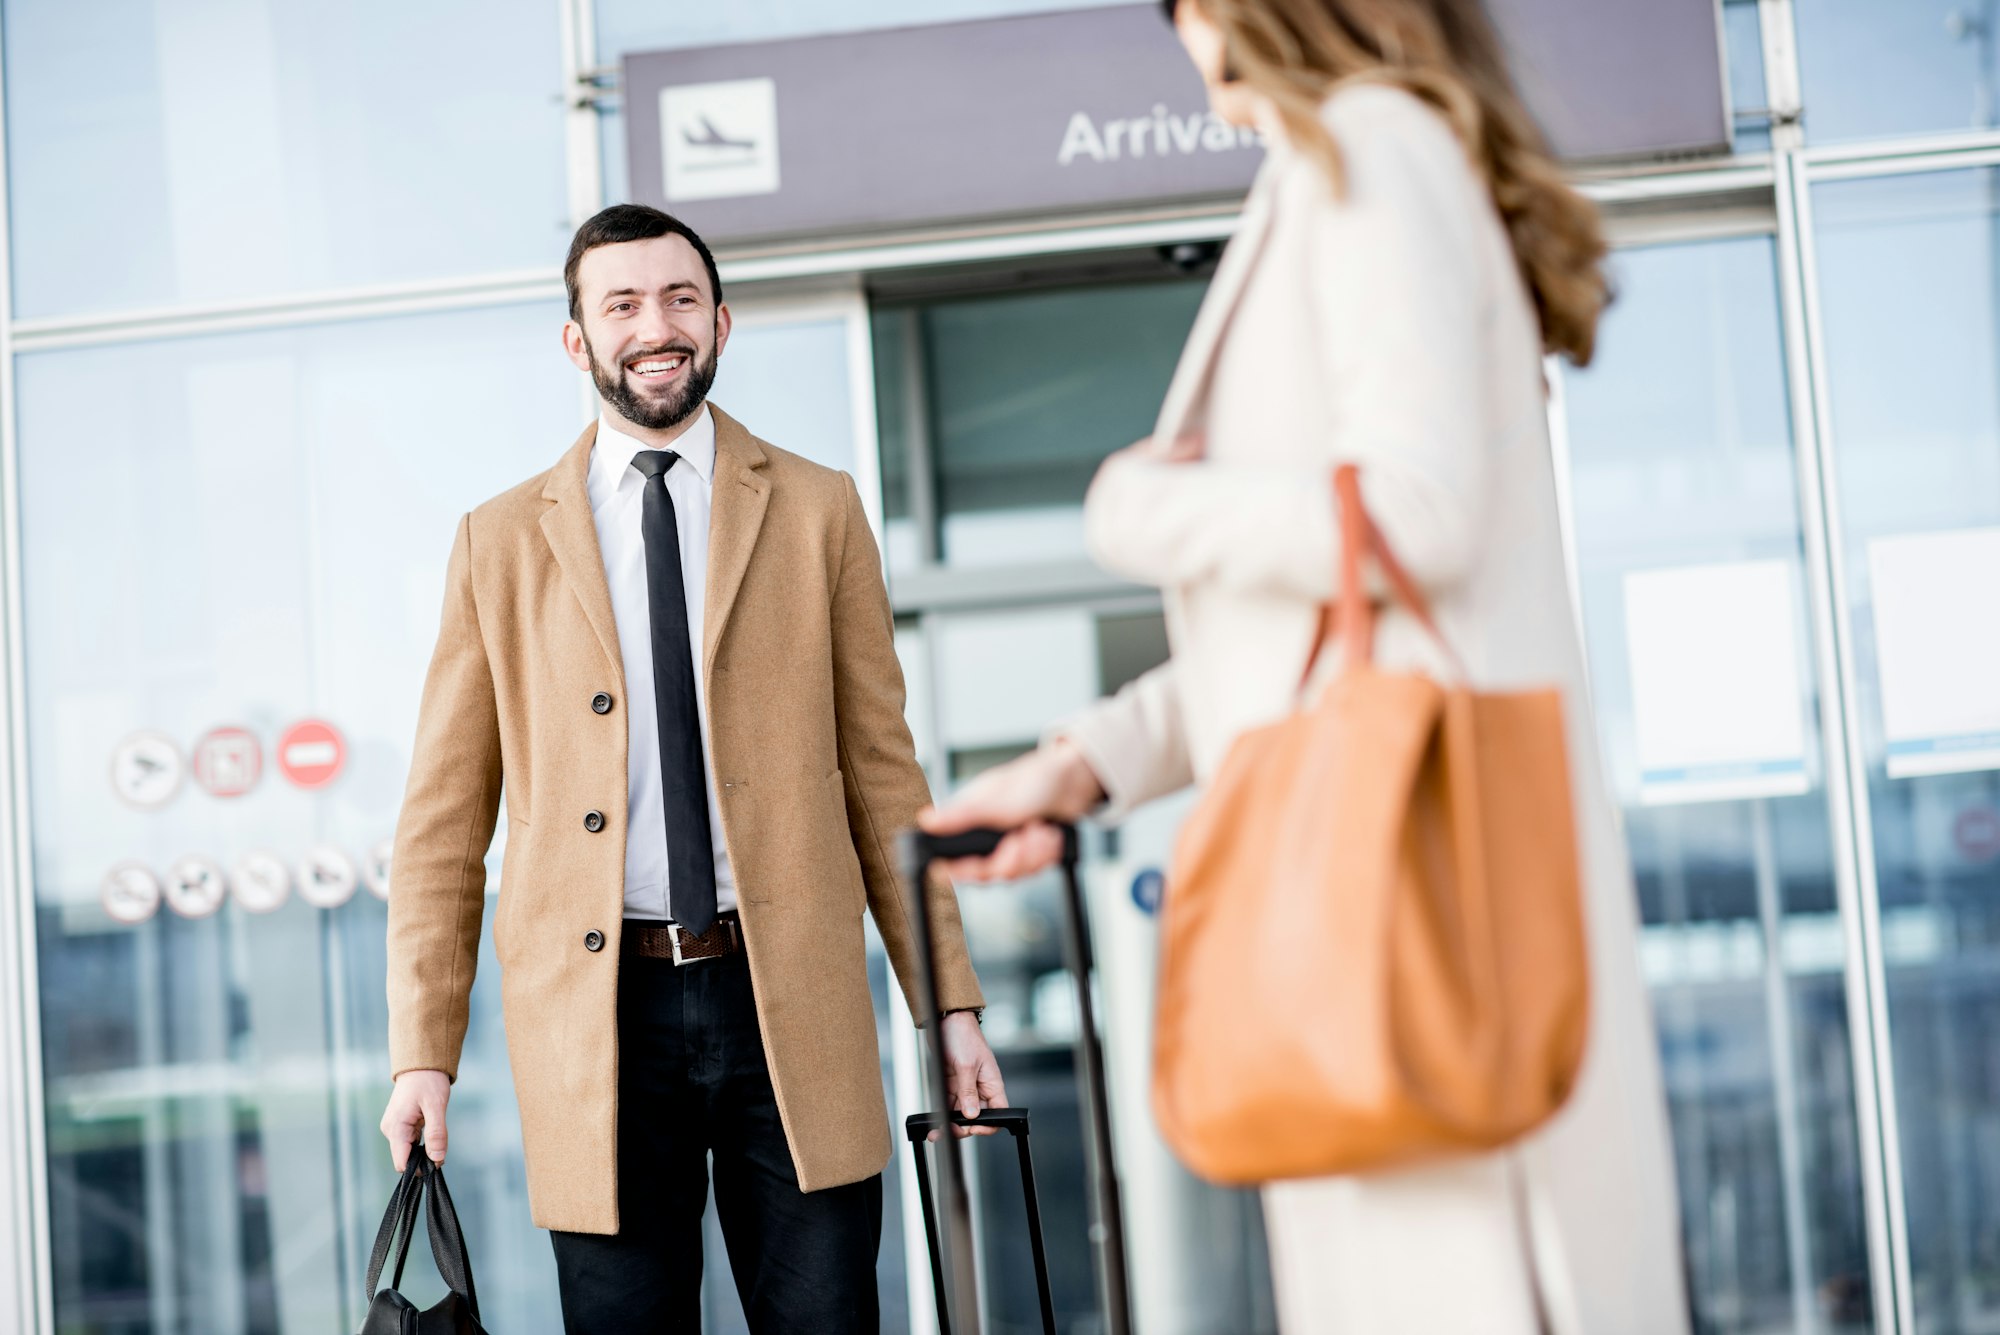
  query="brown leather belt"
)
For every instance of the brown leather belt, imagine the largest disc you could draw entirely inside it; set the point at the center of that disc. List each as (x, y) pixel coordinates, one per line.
(671, 941)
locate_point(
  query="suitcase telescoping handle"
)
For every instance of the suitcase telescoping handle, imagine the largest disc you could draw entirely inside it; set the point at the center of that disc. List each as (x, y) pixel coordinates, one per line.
(919, 1127)
(917, 851)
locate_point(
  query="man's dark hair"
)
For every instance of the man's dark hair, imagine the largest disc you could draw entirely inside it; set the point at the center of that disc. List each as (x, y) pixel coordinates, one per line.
(630, 222)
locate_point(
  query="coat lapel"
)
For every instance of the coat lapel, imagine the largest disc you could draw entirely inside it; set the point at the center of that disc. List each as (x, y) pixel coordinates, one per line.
(572, 536)
(740, 496)
(1186, 402)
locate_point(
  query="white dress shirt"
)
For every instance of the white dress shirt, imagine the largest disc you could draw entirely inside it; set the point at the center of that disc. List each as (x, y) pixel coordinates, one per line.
(617, 501)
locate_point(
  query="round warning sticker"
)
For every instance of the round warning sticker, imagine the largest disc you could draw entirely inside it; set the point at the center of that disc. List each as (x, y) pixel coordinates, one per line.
(196, 887)
(131, 893)
(146, 770)
(228, 761)
(327, 878)
(262, 882)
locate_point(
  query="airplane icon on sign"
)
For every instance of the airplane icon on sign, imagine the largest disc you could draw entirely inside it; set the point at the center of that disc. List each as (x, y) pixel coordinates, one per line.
(710, 137)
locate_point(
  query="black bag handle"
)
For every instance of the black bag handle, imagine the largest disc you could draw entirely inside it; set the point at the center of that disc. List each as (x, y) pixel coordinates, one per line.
(398, 1221)
(448, 1241)
(399, 1226)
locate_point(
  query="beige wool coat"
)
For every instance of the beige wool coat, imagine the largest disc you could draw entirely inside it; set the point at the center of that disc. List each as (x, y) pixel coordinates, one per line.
(1389, 327)
(816, 772)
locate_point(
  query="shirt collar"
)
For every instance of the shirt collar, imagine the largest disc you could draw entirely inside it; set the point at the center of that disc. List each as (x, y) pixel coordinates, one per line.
(611, 456)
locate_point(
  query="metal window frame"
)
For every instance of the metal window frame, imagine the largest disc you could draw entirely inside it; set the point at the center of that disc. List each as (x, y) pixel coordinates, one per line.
(24, 1217)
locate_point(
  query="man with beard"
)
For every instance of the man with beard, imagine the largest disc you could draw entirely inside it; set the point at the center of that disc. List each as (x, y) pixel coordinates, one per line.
(675, 648)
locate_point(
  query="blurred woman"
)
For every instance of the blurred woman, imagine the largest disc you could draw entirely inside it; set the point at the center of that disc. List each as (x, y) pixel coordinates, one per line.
(1405, 258)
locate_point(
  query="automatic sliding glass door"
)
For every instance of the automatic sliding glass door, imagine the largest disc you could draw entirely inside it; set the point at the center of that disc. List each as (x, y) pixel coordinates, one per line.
(1909, 285)
(1690, 562)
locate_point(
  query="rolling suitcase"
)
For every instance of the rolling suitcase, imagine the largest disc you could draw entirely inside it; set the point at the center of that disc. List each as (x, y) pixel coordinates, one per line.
(951, 1257)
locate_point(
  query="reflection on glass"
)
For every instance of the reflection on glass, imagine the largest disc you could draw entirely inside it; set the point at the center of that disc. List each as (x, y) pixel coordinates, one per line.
(1908, 278)
(1909, 67)
(1005, 405)
(1681, 470)
(162, 154)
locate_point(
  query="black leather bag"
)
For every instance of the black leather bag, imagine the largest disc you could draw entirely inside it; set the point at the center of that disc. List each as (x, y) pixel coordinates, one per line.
(421, 1191)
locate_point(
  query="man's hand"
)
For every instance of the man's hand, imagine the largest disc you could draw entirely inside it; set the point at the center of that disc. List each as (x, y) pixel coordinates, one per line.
(974, 1074)
(1052, 782)
(417, 1104)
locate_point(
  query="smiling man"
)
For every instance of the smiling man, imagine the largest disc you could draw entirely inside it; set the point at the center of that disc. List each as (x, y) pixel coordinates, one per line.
(671, 657)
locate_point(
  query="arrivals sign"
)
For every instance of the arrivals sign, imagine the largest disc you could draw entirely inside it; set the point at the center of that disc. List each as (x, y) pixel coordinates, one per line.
(1094, 108)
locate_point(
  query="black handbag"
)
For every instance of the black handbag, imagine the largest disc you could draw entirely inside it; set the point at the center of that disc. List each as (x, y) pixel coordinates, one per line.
(421, 1189)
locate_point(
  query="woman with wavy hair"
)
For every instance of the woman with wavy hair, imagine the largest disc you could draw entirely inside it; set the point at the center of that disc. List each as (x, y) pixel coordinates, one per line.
(1407, 256)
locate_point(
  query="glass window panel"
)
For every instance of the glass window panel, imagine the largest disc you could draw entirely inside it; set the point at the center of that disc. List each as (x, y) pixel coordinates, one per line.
(1681, 458)
(1903, 67)
(787, 381)
(1015, 399)
(264, 542)
(1908, 288)
(163, 153)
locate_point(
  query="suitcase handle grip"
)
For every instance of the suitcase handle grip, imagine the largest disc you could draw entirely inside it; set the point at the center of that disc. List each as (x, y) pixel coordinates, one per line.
(930, 848)
(1011, 1120)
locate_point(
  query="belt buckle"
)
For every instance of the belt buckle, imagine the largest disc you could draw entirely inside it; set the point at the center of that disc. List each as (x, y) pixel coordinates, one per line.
(674, 931)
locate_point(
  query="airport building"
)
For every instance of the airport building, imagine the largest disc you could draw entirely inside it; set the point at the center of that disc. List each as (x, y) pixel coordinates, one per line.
(282, 300)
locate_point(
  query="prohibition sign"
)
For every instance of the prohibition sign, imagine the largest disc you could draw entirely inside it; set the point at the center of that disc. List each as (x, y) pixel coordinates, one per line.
(312, 753)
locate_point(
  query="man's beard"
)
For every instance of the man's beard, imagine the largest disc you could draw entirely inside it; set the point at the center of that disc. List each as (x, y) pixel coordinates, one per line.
(655, 414)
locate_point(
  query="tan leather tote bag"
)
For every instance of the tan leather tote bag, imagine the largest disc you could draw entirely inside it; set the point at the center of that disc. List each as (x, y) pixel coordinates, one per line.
(1373, 948)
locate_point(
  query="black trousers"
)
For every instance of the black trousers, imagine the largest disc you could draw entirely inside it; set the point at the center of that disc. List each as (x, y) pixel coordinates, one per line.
(692, 1082)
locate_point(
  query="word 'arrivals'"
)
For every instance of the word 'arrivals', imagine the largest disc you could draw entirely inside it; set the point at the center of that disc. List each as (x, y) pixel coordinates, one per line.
(1159, 135)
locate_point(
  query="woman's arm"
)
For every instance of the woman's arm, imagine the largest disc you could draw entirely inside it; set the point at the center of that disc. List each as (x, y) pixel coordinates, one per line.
(1399, 305)
(1134, 742)
(1125, 750)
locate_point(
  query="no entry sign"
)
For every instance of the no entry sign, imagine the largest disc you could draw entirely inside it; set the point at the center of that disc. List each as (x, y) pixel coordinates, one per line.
(312, 753)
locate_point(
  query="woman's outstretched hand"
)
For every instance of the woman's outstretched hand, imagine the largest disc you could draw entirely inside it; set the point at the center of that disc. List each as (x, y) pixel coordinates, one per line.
(1051, 783)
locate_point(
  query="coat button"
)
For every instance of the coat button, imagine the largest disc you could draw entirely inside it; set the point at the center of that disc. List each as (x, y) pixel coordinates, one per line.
(593, 940)
(593, 821)
(601, 702)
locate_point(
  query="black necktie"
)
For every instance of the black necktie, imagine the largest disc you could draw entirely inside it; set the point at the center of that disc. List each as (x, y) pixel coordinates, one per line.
(683, 780)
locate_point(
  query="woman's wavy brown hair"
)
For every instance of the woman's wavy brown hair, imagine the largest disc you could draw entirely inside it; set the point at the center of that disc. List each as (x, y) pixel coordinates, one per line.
(1297, 52)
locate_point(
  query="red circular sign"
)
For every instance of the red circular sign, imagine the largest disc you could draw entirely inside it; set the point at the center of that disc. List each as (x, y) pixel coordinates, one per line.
(312, 753)
(228, 761)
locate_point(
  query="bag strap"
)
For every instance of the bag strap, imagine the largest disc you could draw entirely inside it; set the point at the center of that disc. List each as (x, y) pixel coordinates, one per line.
(399, 1221)
(448, 1242)
(1351, 614)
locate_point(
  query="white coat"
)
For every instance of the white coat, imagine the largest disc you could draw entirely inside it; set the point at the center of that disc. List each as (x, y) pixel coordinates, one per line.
(1390, 327)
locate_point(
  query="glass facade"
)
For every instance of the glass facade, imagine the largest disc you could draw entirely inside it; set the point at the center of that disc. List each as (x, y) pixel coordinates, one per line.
(284, 304)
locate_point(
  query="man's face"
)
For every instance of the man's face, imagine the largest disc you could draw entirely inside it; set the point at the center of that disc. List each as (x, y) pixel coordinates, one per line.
(650, 333)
